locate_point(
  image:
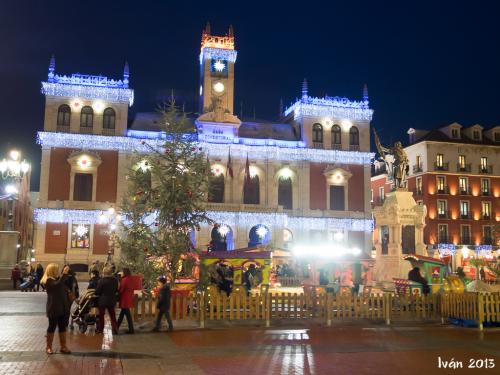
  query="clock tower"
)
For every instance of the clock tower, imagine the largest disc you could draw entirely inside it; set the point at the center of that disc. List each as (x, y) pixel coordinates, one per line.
(217, 58)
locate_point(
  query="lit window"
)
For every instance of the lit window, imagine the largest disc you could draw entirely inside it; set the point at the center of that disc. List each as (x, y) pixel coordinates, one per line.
(463, 185)
(441, 184)
(443, 233)
(439, 160)
(418, 183)
(317, 130)
(336, 136)
(484, 163)
(485, 186)
(80, 236)
(465, 234)
(475, 135)
(464, 209)
(418, 162)
(486, 210)
(381, 193)
(454, 133)
(108, 118)
(461, 161)
(63, 115)
(87, 117)
(441, 206)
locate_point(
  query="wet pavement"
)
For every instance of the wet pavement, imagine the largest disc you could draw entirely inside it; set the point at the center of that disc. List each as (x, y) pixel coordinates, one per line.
(346, 349)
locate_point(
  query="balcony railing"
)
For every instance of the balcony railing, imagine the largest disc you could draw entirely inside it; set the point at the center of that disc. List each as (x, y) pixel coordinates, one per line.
(63, 129)
(336, 146)
(318, 145)
(466, 240)
(353, 147)
(444, 215)
(418, 191)
(487, 241)
(465, 216)
(464, 167)
(444, 239)
(380, 200)
(86, 129)
(417, 169)
(443, 190)
(487, 169)
(486, 216)
(464, 191)
(442, 167)
(485, 193)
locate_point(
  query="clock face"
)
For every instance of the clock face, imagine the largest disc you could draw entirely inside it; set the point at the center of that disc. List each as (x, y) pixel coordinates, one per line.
(219, 87)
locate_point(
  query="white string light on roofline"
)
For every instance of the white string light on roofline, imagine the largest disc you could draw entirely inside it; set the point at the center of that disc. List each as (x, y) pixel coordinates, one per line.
(89, 92)
(234, 219)
(218, 54)
(216, 150)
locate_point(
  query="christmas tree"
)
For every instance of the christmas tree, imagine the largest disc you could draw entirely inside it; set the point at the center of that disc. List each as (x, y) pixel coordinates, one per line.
(167, 194)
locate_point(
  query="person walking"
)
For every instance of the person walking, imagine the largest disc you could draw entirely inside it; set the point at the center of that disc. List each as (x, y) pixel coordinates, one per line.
(38, 276)
(107, 288)
(58, 306)
(126, 299)
(163, 304)
(15, 276)
(72, 284)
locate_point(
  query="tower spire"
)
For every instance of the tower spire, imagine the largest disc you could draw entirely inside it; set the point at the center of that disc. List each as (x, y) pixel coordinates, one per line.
(231, 31)
(52, 66)
(304, 89)
(207, 28)
(281, 108)
(126, 74)
(365, 92)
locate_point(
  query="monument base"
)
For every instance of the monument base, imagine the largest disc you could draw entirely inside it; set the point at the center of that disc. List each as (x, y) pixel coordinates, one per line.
(8, 256)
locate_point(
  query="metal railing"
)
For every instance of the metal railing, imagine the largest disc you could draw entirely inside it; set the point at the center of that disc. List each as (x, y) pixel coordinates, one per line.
(465, 191)
(336, 146)
(442, 167)
(443, 190)
(318, 145)
(417, 169)
(106, 131)
(63, 129)
(486, 169)
(86, 129)
(353, 147)
(464, 168)
(444, 214)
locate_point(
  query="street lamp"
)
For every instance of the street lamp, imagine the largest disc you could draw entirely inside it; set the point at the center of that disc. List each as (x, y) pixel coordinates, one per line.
(112, 219)
(13, 170)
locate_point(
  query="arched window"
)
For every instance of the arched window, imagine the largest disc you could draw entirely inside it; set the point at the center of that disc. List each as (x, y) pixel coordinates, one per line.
(354, 136)
(285, 197)
(87, 117)
(221, 238)
(317, 136)
(108, 118)
(259, 235)
(63, 115)
(251, 191)
(216, 189)
(336, 137)
(287, 238)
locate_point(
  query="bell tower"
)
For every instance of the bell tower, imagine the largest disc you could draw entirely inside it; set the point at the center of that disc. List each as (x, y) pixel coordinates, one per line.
(217, 59)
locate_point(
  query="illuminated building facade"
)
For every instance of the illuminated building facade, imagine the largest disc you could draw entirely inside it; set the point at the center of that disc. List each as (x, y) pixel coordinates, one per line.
(310, 172)
(455, 173)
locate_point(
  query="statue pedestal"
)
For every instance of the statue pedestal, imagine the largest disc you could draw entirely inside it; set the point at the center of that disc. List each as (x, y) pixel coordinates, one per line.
(399, 231)
(8, 256)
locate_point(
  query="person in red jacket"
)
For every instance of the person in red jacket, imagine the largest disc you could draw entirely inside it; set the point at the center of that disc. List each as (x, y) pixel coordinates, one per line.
(126, 299)
(15, 276)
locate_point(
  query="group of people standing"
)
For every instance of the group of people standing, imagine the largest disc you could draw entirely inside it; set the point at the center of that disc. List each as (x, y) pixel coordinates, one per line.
(62, 290)
(28, 277)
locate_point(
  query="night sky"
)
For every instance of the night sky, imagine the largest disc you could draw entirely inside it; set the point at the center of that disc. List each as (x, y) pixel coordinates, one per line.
(426, 64)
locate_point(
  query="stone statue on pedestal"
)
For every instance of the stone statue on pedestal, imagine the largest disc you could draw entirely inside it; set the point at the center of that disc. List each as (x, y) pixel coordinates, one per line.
(397, 166)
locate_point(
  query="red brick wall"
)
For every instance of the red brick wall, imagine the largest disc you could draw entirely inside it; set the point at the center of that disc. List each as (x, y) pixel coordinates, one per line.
(100, 241)
(356, 195)
(59, 174)
(56, 244)
(317, 199)
(107, 176)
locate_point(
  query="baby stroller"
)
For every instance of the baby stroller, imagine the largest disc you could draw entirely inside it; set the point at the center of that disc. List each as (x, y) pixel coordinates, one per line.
(28, 284)
(84, 311)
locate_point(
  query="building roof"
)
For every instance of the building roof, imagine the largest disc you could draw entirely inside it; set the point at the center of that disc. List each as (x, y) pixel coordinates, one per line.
(258, 129)
(439, 135)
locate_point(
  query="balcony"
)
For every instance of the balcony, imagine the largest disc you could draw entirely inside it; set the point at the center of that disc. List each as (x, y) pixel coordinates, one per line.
(464, 191)
(417, 169)
(443, 190)
(418, 191)
(86, 129)
(465, 240)
(444, 215)
(464, 167)
(318, 145)
(353, 147)
(485, 216)
(62, 129)
(465, 216)
(487, 241)
(444, 239)
(485, 193)
(442, 166)
(485, 169)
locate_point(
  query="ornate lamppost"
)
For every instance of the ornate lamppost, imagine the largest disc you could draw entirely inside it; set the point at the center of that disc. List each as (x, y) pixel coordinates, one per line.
(12, 170)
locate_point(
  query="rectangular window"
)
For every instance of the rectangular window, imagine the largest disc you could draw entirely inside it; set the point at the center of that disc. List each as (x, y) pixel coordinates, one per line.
(486, 210)
(83, 187)
(408, 239)
(337, 198)
(441, 184)
(454, 133)
(80, 236)
(461, 161)
(439, 160)
(381, 194)
(418, 183)
(419, 162)
(487, 235)
(443, 233)
(497, 137)
(485, 186)
(464, 209)
(463, 184)
(484, 163)
(441, 207)
(465, 235)
(475, 135)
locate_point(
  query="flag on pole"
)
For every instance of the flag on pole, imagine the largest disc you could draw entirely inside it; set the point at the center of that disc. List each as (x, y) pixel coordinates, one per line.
(229, 166)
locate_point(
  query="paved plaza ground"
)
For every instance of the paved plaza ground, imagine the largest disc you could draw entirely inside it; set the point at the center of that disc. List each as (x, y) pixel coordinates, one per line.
(346, 349)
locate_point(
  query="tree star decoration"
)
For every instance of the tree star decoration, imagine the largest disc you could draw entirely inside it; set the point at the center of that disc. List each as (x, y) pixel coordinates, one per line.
(219, 66)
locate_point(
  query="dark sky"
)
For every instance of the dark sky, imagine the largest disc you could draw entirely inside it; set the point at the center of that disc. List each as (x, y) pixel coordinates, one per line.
(426, 64)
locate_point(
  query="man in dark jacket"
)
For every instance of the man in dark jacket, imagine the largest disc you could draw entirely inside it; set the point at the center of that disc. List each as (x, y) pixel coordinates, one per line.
(107, 289)
(163, 305)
